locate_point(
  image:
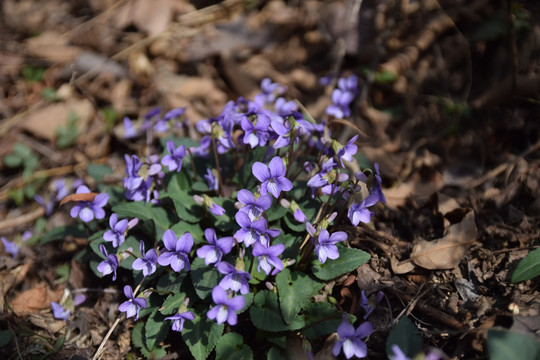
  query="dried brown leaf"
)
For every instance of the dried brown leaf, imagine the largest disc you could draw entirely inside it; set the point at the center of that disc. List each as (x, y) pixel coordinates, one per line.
(34, 299)
(447, 252)
(401, 267)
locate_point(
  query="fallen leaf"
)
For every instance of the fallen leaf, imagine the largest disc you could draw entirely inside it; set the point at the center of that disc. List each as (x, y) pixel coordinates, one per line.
(44, 122)
(402, 267)
(52, 46)
(79, 197)
(34, 299)
(446, 252)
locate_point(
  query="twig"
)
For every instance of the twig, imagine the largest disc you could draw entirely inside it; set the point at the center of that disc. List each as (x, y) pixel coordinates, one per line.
(499, 169)
(21, 220)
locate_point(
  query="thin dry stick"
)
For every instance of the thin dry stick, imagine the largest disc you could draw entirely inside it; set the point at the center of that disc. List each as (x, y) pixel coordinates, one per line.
(499, 169)
(21, 220)
(342, 44)
(101, 347)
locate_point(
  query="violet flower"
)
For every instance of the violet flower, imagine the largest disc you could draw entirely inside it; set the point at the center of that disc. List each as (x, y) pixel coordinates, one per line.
(370, 305)
(59, 312)
(133, 305)
(253, 231)
(218, 247)
(253, 207)
(255, 134)
(325, 246)
(398, 353)
(211, 180)
(10, 247)
(130, 131)
(378, 187)
(209, 204)
(137, 188)
(360, 212)
(225, 309)
(236, 280)
(272, 177)
(346, 153)
(116, 234)
(174, 160)
(268, 257)
(177, 251)
(350, 340)
(179, 319)
(109, 265)
(147, 262)
(88, 210)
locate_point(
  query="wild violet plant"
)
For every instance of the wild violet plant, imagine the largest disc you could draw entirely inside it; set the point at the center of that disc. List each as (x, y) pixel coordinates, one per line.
(230, 239)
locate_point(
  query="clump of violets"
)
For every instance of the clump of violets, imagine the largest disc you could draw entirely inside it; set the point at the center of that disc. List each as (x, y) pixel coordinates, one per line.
(289, 182)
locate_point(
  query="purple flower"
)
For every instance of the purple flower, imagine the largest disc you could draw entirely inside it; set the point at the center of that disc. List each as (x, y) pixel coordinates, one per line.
(79, 299)
(253, 231)
(236, 280)
(59, 312)
(346, 153)
(350, 340)
(177, 250)
(325, 246)
(272, 177)
(360, 212)
(253, 207)
(268, 257)
(10, 247)
(109, 265)
(133, 305)
(218, 247)
(146, 263)
(378, 187)
(130, 131)
(370, 305)
(179, 319)
(211, 180)
(174, 159)
(340, 104)
(295, 209)
(398, 353)
(269, 91)
(87, 210)
(137, 188)
(117, 232)
(225, 309)
(27, 235)
(255, 134)
(209, 204)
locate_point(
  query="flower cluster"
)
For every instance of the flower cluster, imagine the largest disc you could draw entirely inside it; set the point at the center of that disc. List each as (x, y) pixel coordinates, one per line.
(291, 182)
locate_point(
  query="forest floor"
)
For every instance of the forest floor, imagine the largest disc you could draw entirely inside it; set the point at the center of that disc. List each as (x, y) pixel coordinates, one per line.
(448, 107)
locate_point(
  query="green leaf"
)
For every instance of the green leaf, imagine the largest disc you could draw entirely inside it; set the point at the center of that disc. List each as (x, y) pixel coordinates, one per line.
(295, 290)
(172, 303)
(266, 315)
(5, 337)
(231, 347)
(275, 353)
(76, 230)
(156, 353)
(146, 211)
(406, 336)
(201, 335)
(137, 335)
(528, 268)
(12, 161)
(187, 209)
(155, 330)
(349, 259)
(171, 281)
(194, 229)
(293, 224)
(98, 171)
(245, 176)
(322, 319)
(177, 182)
(204, 277)
(504, 344)
(276, 213)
